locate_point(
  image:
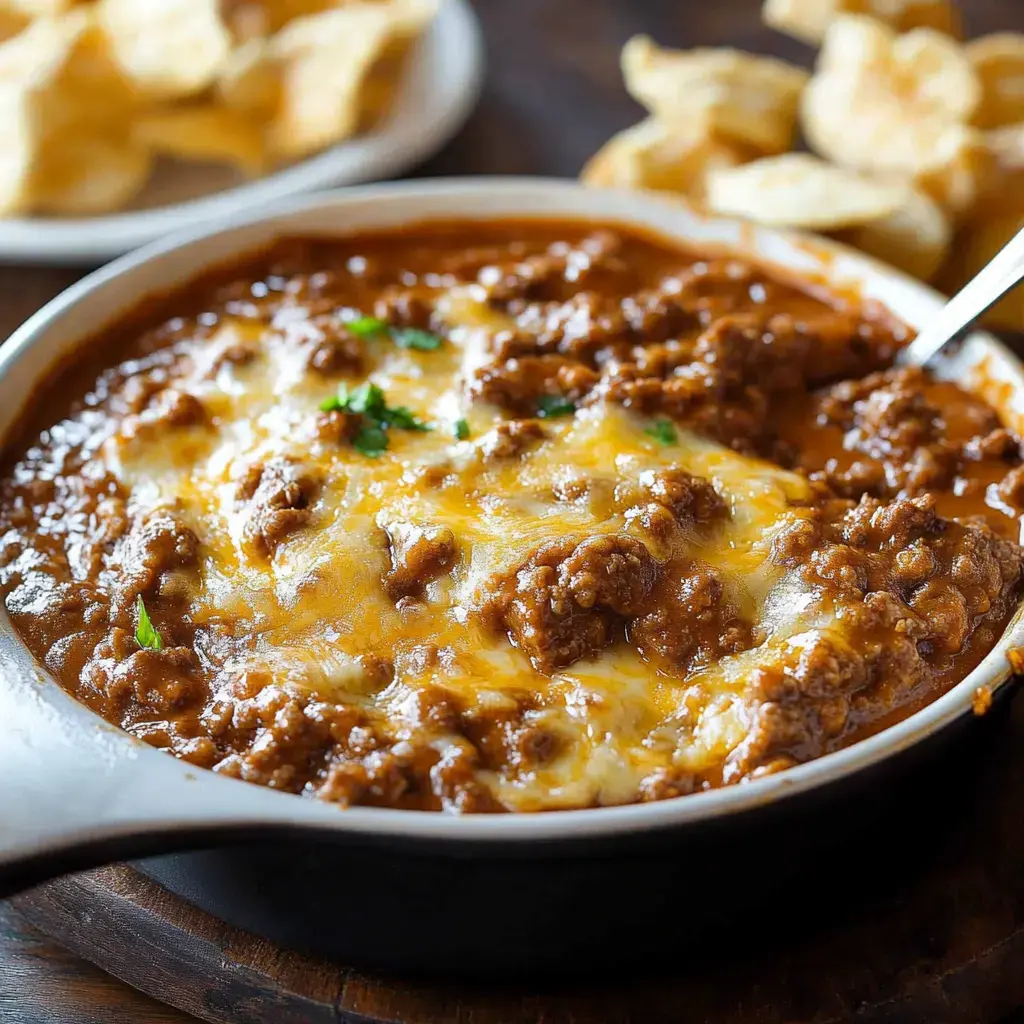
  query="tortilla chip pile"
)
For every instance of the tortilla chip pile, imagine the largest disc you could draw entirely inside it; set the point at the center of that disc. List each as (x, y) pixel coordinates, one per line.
(91, 93)
(917, 138)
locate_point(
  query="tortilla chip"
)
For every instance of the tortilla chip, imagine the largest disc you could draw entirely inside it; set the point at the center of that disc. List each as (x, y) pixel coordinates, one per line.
(88, 174)
(897, 105)
(798, 190)
(205, 134)
(661, 157)
(39, 8)
(915, 238)
(57, 82)
(20, 131)
(168, 50)
(250, 80)
(998, 61)
(251, 19)
(808, 20)
(324, 62)
(747, 99)
(11, 22)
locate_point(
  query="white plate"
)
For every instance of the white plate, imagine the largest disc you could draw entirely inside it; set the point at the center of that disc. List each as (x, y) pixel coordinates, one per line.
(440, 88)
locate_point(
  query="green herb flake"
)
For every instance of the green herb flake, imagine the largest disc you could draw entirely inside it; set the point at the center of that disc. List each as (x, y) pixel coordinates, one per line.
(549, 406)
(145, 632)
(402, 418)
(338, 402)
(368, 402)
(371, 441)
(412, 337)
(664, 432)
(461, 430)
(367, 399)
(366, 326)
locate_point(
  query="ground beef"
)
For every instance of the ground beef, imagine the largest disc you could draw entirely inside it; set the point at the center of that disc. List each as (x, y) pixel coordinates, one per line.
(546, 275)
(1011, 488)
(690, 499)
(176, 408)
(419, 555)
(564, 602)
(279, 495)
(688, 621)
(799, 703)
(587, 327)
(913, 588)
(165, 682)
(154, 547)
(947, 573)
(406, 307)
(724, 386)
(517, 384)
(337, 352)
(510, 439)
(667, 783)
(900, 443)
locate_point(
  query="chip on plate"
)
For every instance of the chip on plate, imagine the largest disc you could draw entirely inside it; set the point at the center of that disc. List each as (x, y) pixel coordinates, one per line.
(11, 22)
(809, 19)
(898, 105)
(999, 64)
(745, 98)
(915, 238)
(58, 86)
(40, 8)
(798, 190)
(324, 62)
(88, 174)
(250, 80)
(167, 48)
(661, 156)
(204, 133)
(250, 19)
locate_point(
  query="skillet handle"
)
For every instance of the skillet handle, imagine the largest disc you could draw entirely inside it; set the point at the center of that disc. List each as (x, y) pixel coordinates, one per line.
(75, 792)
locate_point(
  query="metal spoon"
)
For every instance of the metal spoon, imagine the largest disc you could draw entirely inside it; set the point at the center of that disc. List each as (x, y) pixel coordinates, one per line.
(1000, 276)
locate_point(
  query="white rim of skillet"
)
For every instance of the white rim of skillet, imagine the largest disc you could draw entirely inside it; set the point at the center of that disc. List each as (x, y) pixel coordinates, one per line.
(440, 93)
(215, 802)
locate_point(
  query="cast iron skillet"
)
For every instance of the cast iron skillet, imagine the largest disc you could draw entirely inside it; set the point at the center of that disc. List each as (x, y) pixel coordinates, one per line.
(481, 892)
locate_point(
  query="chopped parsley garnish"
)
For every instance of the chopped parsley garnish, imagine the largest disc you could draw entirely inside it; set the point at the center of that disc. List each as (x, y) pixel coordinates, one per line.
(554, 405)
(403, 337)
(412, 337)
(145, 632)
(367, 326)
(332, 404)
(663, 431)
(461, 430)
(368, 401)
(371, 441)
(367, 398)
(402, 417)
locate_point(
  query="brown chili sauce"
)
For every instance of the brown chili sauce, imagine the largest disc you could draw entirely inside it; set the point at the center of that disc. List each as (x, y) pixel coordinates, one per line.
(505, 517)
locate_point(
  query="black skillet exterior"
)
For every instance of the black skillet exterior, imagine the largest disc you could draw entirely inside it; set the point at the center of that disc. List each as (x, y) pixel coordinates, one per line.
(551, 909)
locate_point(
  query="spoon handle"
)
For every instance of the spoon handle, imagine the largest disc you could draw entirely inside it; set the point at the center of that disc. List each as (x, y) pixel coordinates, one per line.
(1000, 276)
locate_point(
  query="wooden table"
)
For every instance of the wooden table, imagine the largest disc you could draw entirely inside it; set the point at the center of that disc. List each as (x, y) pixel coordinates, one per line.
(552, 96)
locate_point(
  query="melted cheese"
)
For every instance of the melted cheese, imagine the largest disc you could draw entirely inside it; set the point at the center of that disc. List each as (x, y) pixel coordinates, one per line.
(317, 605)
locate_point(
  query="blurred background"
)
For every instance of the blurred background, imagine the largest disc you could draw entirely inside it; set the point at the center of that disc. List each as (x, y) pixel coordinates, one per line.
(553, 92)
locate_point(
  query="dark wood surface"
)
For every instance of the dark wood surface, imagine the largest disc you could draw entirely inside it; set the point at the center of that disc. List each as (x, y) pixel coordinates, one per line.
(949, 949)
